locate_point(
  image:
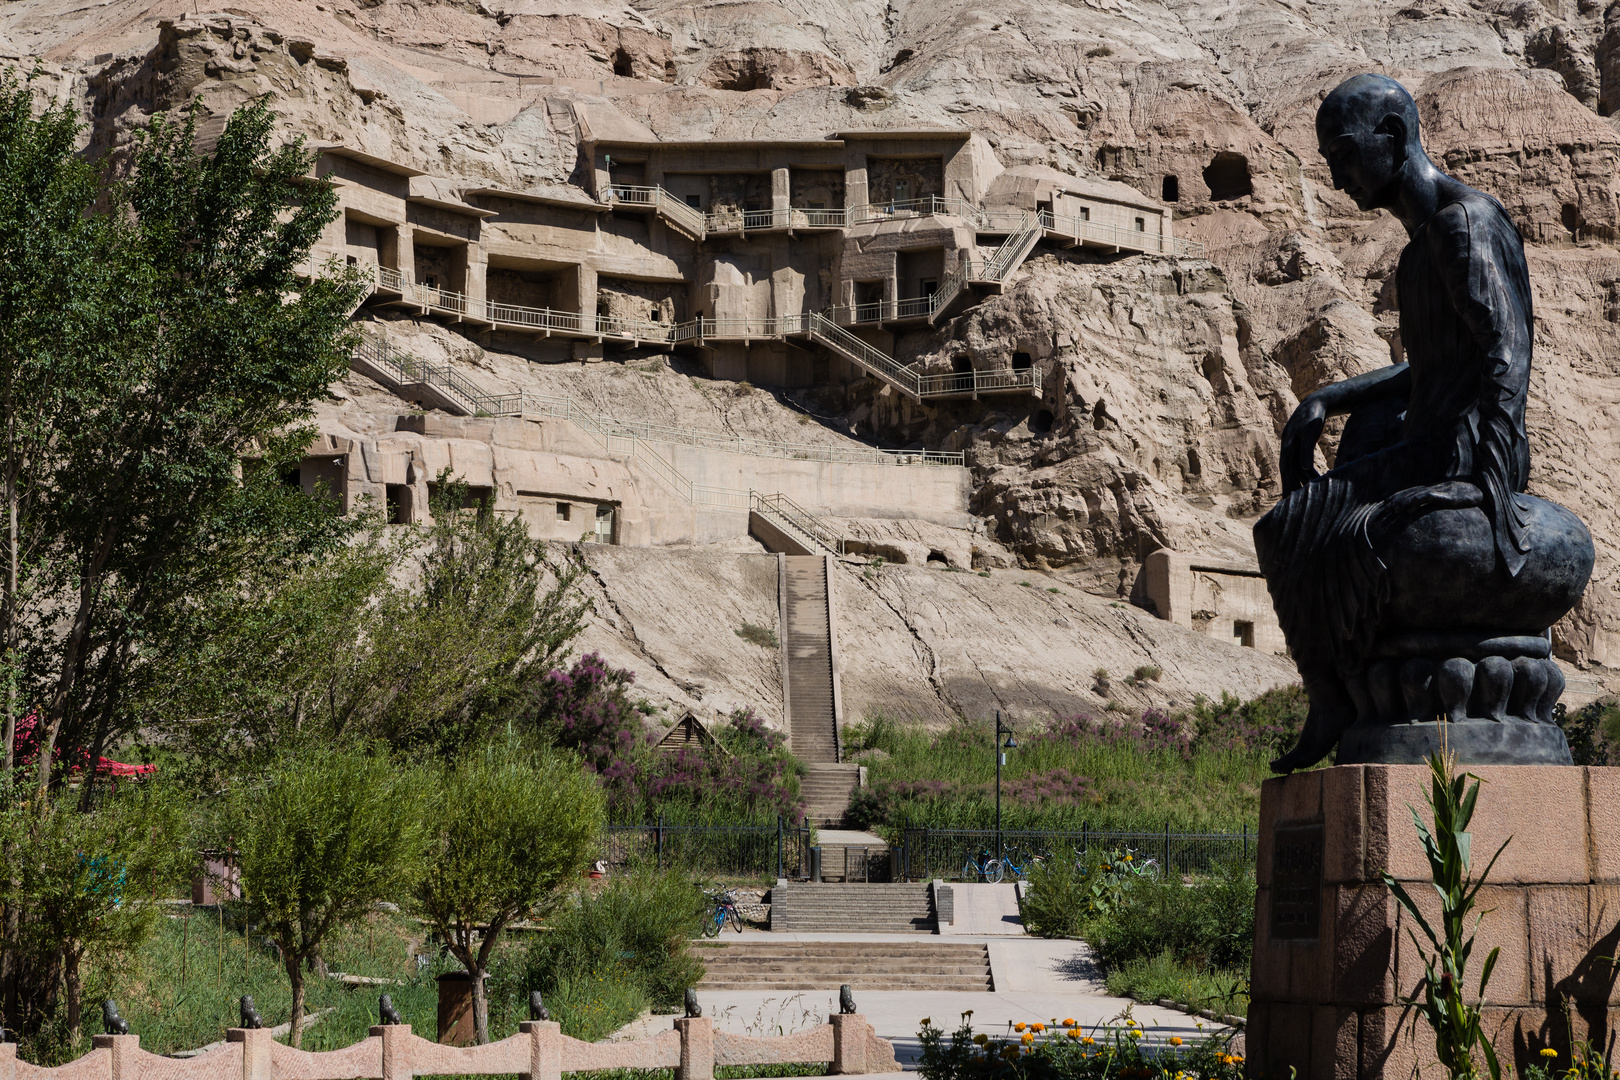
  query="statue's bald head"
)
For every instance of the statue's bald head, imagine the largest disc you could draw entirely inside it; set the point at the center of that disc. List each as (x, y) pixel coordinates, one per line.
(1368, 132)
(1364, 102)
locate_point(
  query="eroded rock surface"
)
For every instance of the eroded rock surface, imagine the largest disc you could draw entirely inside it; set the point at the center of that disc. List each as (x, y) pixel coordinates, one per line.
(1166, 383)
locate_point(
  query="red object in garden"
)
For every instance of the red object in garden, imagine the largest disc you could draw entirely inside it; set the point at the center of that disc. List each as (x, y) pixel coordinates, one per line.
(28, 749)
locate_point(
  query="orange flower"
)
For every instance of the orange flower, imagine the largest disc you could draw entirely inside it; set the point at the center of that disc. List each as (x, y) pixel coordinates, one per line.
(1175, 1040)
(1037, 1027)
(1026, 1038)
(1019, 1026)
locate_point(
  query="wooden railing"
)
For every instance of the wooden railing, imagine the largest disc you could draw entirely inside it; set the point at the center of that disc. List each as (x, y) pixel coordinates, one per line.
(847, 1044)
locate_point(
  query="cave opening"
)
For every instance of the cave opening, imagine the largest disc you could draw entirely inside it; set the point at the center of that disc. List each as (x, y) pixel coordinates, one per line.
(1041, 422)
(1021, 361)
(1171, 189)
(1227, 176)
(623, 66)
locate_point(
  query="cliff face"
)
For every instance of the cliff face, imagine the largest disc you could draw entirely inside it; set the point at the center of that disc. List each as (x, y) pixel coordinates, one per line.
(1171, 381)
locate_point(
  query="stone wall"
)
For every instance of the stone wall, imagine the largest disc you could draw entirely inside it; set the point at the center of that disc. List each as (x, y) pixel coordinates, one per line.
(1334, 956)
(921, 177)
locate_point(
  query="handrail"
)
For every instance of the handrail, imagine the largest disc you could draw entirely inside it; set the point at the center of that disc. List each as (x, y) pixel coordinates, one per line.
(829, 333)
(785, 510)
(927, 205)
(979, 382)
(407, 368)
(1151, 243)
(689, 218)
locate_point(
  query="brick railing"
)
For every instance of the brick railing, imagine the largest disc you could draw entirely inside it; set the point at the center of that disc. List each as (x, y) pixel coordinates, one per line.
(540, 1051)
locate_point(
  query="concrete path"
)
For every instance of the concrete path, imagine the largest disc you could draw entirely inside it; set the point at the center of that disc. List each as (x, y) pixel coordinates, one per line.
(984, 909)
(1036, 979)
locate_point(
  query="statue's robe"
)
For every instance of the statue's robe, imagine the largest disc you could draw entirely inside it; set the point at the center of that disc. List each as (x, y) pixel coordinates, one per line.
(1464, 294)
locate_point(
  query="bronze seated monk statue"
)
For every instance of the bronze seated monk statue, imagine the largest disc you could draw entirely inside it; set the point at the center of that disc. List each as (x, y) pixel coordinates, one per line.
(1416, 582)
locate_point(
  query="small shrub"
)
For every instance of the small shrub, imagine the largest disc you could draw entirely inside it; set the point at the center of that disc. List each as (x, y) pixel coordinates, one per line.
(1052, 590)
(1027, 584)
(1591, 730)
(984, 573)
(1147, 672)
(1268, 724)
(763, 636)
(1209, 924)
(612, 953)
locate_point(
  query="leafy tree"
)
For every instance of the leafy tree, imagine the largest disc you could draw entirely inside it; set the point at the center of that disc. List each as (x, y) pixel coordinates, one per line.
(464, 654)
(431, 659)
(89, 882)
(211, 349)
(319, 842)
(508, 830)
(49, 265)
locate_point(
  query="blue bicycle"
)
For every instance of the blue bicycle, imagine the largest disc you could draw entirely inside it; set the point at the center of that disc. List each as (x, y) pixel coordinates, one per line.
(725, 907)
(986, 868)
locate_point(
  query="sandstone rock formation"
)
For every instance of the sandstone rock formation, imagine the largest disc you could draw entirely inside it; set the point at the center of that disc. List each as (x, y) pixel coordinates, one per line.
(1167, 382)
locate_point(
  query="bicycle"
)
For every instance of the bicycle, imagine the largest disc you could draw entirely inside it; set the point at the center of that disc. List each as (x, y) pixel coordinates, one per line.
(1021, 862)
(725, 907)
(986, 867)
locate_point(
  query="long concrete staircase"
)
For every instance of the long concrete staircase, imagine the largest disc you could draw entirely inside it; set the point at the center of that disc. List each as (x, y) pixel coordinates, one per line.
(810, 687)
(863, 965)
(853, 907)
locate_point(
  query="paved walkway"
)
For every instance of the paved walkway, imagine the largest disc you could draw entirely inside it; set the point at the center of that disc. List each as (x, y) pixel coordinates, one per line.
(982, 908)
(1035, 979)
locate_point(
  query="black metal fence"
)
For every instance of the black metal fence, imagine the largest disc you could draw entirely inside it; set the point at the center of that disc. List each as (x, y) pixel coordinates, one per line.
(947, 853)
(765, 852)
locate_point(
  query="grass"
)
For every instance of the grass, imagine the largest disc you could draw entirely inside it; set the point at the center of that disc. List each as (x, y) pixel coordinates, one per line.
(1151, 979)
(763, 636)
(180, 990)
(946, 780)
(1199, 770)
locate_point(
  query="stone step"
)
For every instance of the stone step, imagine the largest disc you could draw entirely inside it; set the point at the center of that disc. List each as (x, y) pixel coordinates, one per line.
(955, 984)
(842, 952)
(807, 968)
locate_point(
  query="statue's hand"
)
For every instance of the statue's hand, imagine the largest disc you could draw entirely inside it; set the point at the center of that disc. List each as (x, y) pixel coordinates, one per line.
(1400, 508)
(1299, 440)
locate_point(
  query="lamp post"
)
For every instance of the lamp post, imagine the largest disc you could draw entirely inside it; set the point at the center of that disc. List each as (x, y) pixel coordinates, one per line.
(1001, 759)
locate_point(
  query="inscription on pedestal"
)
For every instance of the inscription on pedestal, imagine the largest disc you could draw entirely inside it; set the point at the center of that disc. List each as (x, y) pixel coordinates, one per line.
(1296, 883)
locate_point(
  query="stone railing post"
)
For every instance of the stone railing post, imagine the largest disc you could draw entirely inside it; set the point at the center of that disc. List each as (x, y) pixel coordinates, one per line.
(255, 1050)
(697, 1048)
(123, 1049)
(8, 1061)
(545, 1049)
(396, 1055)
(850, 1035)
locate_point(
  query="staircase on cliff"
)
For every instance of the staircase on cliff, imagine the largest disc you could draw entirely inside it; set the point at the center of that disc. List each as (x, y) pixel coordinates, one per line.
(810, 685)
(863, 965)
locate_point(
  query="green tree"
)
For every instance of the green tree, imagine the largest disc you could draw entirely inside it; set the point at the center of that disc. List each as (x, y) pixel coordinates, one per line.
(508, 831)
(89, 882)
(49, 248)
(464, 654)
(319, 842)
(212, 352)
(442, 655)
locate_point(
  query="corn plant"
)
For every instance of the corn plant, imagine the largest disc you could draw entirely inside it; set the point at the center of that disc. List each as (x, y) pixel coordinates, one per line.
(1455, 1023)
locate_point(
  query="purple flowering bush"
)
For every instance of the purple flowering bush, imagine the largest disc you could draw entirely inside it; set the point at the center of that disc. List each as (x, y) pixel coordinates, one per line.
(588, 709)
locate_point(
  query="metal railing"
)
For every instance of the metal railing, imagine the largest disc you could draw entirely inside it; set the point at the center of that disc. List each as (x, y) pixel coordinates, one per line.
(913, 307)
(783, 510)
(661, 202)
(944, 853)
(980, 382)
(908, 208)
(1083, 229)
(786, 217)
(708, 851)
(822, 329)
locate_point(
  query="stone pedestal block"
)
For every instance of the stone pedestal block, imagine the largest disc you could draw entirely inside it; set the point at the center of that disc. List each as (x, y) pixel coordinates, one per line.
(1333, 956)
